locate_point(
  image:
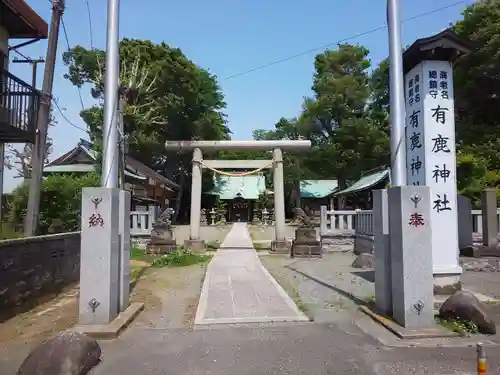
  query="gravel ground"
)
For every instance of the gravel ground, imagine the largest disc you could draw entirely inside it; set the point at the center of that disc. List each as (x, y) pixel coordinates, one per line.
(333, 302)
(482, 275)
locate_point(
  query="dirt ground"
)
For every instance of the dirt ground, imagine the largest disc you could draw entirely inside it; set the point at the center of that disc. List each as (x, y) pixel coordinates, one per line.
(170, 296)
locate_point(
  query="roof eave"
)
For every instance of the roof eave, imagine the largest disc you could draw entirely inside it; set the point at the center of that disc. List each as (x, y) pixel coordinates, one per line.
(354, 191)
(31, 19)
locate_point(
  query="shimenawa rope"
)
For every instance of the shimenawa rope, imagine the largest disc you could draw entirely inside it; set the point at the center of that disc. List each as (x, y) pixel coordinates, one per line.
(234, 174)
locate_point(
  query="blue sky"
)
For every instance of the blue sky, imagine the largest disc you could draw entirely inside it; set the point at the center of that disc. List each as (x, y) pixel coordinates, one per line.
(230, 37)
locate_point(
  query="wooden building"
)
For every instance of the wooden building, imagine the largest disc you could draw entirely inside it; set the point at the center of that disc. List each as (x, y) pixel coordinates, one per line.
(359, 194)
(240, 194)
(19, 101)
(317, 193)
(147, 187)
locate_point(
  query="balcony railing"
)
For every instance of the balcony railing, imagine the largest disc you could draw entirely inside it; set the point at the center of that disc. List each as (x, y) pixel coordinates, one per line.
(19, 103)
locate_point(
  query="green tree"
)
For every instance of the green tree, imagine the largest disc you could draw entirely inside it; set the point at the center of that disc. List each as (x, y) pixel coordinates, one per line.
(477, 76)
(293, 168)
(379, 105)
(168, 98)
(61, 200)
(347, 139)
(477, 109)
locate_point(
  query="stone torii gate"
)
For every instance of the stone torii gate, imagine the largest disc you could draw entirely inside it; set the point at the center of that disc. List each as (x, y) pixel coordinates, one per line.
(280, 243)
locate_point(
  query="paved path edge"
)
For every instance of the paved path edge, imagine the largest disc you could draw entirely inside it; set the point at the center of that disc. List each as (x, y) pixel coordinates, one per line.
(288, 300)
(202, 304)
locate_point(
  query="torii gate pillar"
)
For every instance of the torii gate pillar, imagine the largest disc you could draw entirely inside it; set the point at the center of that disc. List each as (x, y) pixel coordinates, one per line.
(280, 243)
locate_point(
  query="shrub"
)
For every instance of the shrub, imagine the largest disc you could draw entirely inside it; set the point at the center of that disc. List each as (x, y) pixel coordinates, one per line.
(60, 202)
(8, 233)
(180, 258)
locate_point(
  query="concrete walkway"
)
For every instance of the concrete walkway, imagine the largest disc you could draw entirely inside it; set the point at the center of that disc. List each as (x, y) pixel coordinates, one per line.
(238, 289)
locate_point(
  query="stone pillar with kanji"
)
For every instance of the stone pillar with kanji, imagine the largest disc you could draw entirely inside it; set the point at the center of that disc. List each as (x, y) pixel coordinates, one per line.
(430, 145)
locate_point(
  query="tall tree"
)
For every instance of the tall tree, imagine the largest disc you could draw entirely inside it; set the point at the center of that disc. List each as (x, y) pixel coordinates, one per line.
(347, 139)
(477, 76)
(379, 106)
(20, 160)
(293, 168)
(340, 86)
(170, 98)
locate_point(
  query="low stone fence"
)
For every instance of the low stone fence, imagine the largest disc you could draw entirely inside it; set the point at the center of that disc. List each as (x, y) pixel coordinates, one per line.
(35, 267)
(363, 239)
(360, 223)
(334, 222)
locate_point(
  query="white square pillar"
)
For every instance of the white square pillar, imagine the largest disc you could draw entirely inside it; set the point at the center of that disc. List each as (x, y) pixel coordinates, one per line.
(431, 161)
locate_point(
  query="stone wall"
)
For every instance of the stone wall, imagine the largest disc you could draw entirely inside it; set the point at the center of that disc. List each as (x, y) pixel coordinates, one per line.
(36, 267)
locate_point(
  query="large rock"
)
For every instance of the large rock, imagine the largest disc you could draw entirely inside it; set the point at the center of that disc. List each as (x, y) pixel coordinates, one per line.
(364, 261)
(464, 305)
(68, 353)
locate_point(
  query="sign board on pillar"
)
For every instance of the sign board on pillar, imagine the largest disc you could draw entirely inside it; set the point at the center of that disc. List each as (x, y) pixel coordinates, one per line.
(431, 154)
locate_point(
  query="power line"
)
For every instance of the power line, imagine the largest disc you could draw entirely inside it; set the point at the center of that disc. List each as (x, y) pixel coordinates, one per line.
(65, 118)
(90, 24)
(65, 34)
(69, 49)
(78, 87)
(342, 41)
(20, 54)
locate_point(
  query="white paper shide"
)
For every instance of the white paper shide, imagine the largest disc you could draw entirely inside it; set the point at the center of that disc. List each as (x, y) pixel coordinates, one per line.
(431, 154)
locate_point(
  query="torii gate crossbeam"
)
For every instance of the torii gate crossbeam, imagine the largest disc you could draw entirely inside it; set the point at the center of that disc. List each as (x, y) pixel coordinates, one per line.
(280, 242)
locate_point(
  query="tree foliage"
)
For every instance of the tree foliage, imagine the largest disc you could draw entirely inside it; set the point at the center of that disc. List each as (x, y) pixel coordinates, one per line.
(60, 202)
(347, 116)
(170, 99)
(477, 100)
(477, 76)
(20, 160)
(347, 139)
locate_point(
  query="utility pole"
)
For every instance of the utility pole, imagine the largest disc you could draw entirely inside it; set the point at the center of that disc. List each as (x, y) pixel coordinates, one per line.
(110, 155)
(38, 158)
(34, 64)
(397, 97)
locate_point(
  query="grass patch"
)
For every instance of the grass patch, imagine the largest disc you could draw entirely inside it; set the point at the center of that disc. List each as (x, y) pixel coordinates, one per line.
(463, 327)
(137, 253)
(260, 246)
(8, 233)
(180, 258)
(135, 272)
(295, 296)
(212, 246)
(302, 307)
(290, 289)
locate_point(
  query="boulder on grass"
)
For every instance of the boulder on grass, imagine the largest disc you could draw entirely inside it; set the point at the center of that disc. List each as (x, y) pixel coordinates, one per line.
(68, 353)
(465, 306)
(364, 261)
